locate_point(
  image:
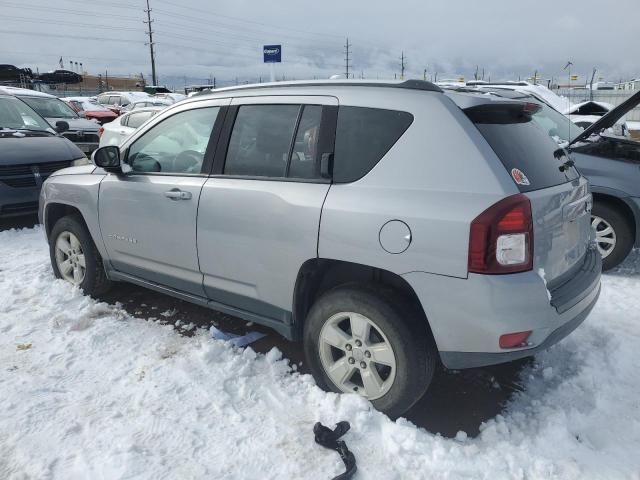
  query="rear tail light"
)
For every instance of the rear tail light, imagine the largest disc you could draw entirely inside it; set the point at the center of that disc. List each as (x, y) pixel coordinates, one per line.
(514, 340)
(100, 131)
(501, 238)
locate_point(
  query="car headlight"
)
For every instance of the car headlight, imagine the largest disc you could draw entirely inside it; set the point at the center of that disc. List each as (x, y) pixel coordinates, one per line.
(80, 161)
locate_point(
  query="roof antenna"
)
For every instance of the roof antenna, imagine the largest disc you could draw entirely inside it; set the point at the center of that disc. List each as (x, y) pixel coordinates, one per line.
(568, 65)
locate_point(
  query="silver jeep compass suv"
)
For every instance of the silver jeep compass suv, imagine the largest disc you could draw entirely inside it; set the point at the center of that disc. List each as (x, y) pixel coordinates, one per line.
(388, 226)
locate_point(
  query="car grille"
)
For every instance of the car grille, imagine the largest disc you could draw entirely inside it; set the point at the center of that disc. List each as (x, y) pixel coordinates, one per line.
(18, 208)
(85, 137)
(22, 176)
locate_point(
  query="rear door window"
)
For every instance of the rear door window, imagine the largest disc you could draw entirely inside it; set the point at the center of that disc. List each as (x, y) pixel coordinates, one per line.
(304, 155)
(363, 137)
(261, 140)
(532, 158)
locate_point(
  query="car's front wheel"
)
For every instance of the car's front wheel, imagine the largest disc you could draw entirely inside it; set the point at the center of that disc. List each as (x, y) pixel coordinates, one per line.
(359, 340)
(75, 258)
(614, 235)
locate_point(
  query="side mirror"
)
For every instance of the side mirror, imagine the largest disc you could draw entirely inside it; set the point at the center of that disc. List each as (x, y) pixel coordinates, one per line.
(62, 126)
(108, 158)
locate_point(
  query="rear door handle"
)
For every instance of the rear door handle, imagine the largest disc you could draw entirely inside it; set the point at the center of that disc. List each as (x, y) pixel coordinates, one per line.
(178, 195)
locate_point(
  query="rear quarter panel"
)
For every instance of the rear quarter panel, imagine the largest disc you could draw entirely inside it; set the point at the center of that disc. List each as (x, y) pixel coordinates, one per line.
(621, 176)
(437, 178)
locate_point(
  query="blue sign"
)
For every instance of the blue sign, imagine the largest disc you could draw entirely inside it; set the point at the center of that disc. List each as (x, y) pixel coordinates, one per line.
(272, 53)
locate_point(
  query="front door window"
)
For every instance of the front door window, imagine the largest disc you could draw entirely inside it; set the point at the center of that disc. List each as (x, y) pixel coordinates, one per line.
(176, 145)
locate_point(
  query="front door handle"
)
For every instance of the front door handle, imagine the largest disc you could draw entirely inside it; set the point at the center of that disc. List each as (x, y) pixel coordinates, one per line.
(178, 195)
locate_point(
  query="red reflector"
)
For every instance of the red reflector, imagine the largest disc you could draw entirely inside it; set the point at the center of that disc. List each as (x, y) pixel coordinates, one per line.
(100, 131)
(514, 340)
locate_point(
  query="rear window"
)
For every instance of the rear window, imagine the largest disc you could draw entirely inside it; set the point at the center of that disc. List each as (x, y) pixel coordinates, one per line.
(525, 148)
(137, 119)
(363, 137)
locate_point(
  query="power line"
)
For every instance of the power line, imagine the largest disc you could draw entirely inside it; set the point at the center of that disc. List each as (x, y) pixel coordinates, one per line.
(73, 24)
(243, 20)
(68, 36)
(347, 65)
(63, 11)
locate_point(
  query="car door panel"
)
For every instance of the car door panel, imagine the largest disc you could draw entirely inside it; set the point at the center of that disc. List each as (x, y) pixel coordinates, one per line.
(149, 234)
(253, 236)
(148, 215)
(254, 233)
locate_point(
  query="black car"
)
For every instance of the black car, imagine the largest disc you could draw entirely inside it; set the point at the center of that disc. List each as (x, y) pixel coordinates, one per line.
(30, 151)
(60, 76)
(13, 74)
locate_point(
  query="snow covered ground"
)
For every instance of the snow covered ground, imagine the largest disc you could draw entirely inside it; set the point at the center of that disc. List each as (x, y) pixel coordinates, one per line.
(88, 392)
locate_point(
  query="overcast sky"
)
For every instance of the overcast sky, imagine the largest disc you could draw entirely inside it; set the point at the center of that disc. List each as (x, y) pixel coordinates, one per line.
(224, 38)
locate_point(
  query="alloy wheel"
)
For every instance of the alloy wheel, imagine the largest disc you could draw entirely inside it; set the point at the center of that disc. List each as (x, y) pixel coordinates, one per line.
(356, 355)
(605, 235)
(70, 258)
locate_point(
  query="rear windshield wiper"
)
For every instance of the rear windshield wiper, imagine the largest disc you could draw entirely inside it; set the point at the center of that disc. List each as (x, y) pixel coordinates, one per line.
(559, 153)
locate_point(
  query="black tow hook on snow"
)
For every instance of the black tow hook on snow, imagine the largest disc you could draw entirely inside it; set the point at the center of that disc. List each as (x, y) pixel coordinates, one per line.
(329, 439)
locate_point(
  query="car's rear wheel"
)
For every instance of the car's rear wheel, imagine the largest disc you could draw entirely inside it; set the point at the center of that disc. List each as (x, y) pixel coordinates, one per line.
(364, 341)
(75, 258)
(614, 235)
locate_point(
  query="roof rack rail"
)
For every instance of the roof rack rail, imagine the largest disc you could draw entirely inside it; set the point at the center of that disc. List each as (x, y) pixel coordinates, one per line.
(407, 84)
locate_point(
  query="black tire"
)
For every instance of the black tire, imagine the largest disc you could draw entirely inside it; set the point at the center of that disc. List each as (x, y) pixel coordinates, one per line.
(95, 281)
(414, 350)
(623, 232)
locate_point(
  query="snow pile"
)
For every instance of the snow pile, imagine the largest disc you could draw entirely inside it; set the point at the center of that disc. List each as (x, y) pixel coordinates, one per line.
(90, 392)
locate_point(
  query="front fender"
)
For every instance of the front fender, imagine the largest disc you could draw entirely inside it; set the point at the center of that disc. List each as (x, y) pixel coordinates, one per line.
(79, 192)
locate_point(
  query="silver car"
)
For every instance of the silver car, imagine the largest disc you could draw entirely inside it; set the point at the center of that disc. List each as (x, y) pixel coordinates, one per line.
(388, 226)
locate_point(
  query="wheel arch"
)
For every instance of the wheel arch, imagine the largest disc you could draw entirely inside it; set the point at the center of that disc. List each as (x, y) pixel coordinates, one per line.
(55, 210)
(626, 207)
(319, 275)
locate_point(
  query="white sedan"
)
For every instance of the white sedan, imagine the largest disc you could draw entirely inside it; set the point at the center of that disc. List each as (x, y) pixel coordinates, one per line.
(116, 132)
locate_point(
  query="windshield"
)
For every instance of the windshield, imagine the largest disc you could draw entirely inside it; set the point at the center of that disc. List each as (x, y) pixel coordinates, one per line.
(50, 107)
(558, 127)
(17, 115)
(90, 106)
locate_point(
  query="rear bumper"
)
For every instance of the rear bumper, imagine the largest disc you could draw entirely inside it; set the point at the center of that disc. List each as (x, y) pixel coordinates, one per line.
(468, 316)
(461, 360)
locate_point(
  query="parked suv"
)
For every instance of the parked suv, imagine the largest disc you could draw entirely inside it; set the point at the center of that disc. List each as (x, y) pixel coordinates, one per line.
(82, 132)
(386, 225)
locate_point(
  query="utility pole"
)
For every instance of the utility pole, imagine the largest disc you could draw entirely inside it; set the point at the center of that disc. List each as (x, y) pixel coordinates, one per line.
(151, 45)
(402, 65)
(424, 75)
(347, 64)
